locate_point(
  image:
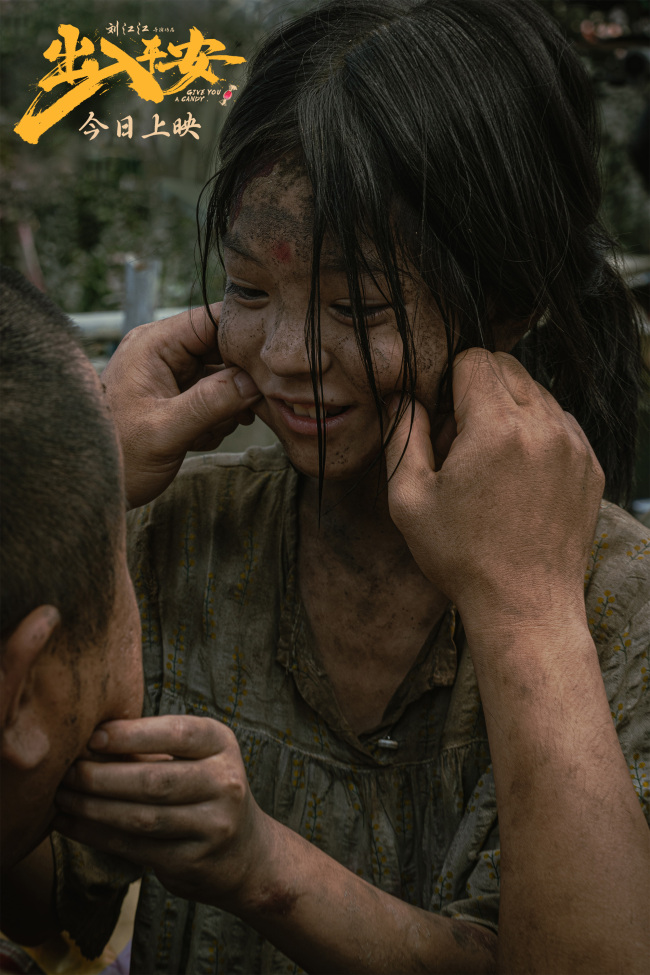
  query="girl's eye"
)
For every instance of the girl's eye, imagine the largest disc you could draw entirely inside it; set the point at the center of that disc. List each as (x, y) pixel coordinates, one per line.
(247, 294)
(370, 315)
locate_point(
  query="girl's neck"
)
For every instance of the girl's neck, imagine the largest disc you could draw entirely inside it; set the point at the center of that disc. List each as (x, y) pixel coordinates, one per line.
(355, 527)
(369, 607)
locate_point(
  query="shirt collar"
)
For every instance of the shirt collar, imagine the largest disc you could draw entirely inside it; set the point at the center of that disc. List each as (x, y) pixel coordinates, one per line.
(435, 665)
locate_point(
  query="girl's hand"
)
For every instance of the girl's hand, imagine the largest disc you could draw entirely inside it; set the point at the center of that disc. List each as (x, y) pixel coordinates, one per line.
(168, 395)
(505, 525)
(178, 803)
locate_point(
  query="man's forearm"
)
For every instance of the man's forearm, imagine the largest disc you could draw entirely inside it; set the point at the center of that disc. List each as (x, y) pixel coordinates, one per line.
(209, 841)
(575, 847)
(329, 920)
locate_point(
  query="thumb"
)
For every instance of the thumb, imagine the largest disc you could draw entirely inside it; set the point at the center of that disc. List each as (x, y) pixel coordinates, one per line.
(210, 401)
(409, 461)
(410, 443)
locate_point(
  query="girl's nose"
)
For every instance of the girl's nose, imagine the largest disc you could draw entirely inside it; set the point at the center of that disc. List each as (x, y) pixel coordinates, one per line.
(284, 351)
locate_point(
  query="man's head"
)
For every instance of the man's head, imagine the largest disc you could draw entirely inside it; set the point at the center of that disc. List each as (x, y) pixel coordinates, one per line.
(69, 629)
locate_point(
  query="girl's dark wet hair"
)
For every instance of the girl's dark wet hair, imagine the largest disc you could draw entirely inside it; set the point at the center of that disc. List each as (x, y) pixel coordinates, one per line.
(458, 138)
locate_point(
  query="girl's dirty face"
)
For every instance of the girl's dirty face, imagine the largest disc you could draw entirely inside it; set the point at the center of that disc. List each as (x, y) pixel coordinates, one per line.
(267, 256)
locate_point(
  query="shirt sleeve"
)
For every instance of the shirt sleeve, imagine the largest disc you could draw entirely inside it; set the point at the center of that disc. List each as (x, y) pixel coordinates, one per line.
(617, 586)
(625, 671)
(468, 887)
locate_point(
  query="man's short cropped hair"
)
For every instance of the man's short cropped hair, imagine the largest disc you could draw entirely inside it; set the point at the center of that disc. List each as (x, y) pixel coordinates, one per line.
(61, 495)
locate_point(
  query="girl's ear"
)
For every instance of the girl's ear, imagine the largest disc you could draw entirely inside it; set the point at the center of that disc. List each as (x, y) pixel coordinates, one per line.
(508, 333)
(507, 326)
(25, 738)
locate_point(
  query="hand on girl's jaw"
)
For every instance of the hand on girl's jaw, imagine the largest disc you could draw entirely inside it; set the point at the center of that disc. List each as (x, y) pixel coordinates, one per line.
(504, 523)
(169, 393)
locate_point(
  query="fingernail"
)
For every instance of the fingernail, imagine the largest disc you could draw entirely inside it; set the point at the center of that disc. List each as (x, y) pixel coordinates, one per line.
(99, 739)
(245, 385)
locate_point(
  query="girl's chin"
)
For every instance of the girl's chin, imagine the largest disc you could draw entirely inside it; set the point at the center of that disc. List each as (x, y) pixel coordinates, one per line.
(338, 469)
(346, 459)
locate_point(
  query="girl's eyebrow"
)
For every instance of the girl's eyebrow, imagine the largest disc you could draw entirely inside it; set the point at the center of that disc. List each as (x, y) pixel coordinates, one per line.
(333, 263)
(336, 263)
(234, 243)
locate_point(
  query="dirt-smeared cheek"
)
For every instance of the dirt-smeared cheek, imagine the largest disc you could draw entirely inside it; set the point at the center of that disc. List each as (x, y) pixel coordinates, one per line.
(225, 334)
(236, 337)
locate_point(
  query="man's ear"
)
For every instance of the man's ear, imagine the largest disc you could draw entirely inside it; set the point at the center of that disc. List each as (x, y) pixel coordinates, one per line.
(25, 741)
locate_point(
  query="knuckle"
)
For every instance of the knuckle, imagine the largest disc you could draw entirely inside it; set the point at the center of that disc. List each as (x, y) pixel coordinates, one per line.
(558, 438)
(511, 428)
(133, 338)
(236, 787)
(230, 775)
(475, 354)
(224, 736)
(182, 731)
(598, 473)
(147, 820)
(504, 359)
(409, 495)
(158, 782)
(226, 828)
(228, 831)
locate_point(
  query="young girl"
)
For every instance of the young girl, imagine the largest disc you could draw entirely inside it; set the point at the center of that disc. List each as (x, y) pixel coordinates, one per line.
(391, 661)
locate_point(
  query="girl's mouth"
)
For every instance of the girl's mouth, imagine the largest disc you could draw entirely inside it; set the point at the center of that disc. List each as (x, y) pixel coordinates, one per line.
(301, 417)
(300, 410)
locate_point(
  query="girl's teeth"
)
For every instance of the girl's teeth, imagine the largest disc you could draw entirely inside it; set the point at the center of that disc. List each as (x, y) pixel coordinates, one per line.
(299, 410)
(310, 411)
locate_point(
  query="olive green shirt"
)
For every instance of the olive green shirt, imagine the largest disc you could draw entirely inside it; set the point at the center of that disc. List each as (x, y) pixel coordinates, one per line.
(410, 807)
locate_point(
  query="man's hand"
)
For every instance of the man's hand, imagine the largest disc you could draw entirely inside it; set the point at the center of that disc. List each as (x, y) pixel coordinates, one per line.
(168, 395)
(505, 525)
(178, 803)
(194, 821)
